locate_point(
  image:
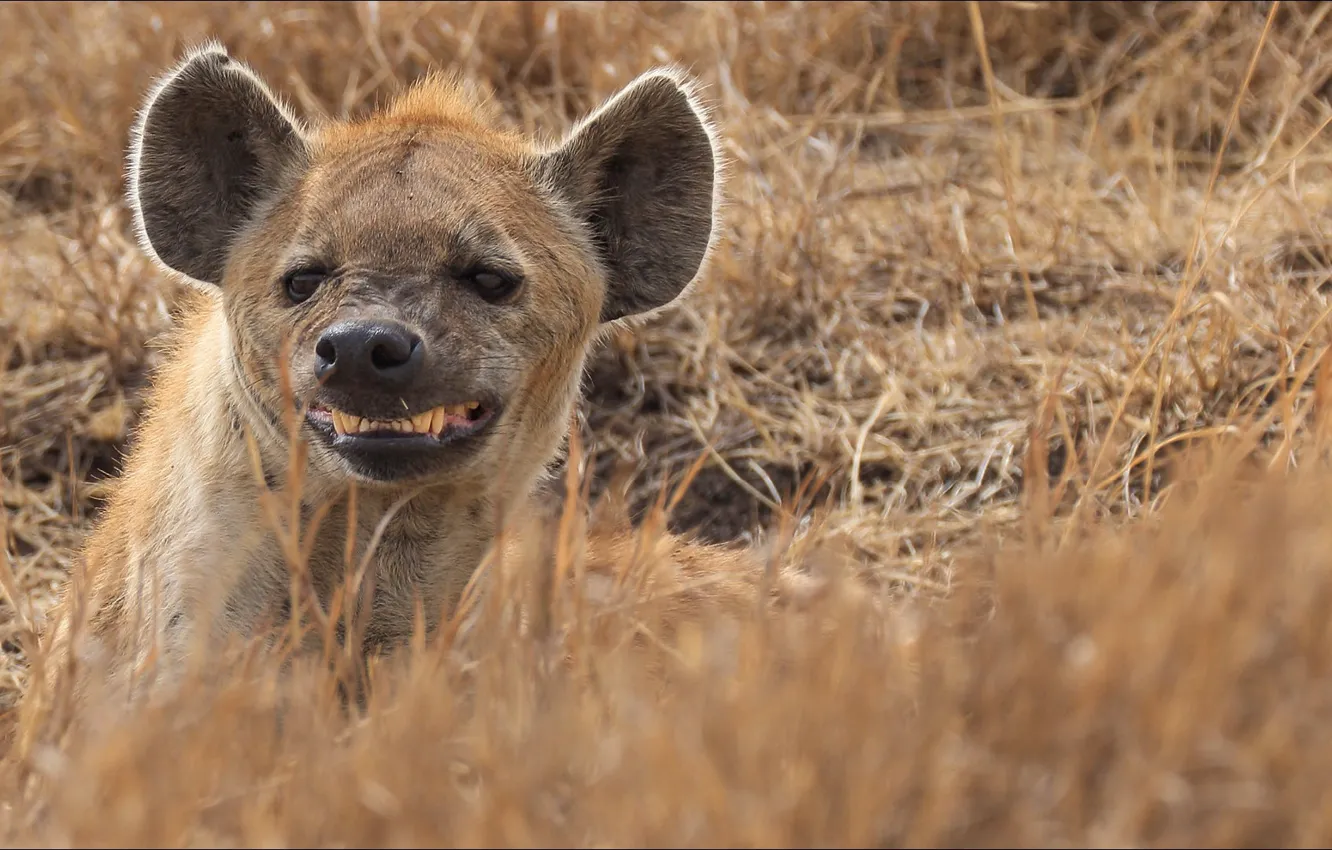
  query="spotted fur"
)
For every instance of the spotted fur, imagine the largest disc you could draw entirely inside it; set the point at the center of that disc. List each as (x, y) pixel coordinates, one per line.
(230, 189)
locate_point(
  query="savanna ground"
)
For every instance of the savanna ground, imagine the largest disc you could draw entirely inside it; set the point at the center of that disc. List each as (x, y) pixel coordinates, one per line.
(1025, 301)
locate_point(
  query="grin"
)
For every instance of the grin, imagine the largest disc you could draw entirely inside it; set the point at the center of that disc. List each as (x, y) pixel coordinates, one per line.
(394, 449)
(441, 423)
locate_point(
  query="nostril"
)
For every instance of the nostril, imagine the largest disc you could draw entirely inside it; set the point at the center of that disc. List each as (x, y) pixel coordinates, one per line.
(325, 351)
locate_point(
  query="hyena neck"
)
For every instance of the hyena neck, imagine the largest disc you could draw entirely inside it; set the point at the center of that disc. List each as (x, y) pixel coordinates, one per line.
(428, 538)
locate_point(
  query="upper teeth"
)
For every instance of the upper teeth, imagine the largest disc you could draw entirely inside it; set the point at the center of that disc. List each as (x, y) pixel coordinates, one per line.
(431, 422)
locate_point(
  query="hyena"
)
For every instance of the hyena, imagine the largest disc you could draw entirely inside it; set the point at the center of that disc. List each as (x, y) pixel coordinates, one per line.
(417, 291)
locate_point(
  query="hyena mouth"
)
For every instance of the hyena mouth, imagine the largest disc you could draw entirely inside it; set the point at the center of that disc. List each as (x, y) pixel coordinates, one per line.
(441, 425)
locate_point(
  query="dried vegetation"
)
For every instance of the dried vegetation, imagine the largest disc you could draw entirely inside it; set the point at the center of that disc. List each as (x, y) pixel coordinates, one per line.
(1028, 300)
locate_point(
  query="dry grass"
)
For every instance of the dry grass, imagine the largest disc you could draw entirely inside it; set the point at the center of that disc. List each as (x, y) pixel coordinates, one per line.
(986, 297)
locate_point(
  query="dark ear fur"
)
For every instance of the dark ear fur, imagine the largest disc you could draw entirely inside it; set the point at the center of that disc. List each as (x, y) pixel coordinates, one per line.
(643, 173)
(210, 144)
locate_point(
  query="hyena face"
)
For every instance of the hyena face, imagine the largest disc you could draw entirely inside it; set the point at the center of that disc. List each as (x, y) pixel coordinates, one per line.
(435, 281)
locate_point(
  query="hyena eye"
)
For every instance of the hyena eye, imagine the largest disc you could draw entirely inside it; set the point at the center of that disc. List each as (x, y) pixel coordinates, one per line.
(492, 284)
(302, 283)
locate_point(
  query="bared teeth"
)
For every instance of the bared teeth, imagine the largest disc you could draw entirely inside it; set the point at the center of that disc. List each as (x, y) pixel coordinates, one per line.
(431, 422)
(344, 423)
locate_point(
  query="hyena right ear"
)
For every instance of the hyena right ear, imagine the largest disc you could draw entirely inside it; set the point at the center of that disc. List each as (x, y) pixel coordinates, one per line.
(643, 172)
(211, 143)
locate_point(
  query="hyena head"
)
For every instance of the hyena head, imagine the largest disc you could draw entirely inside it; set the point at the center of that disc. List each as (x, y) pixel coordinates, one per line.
(437, 280)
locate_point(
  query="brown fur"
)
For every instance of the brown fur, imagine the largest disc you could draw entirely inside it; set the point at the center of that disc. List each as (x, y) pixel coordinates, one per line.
(229, 192)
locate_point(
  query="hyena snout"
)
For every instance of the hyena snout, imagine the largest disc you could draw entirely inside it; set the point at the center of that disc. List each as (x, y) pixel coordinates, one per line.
(378, 355)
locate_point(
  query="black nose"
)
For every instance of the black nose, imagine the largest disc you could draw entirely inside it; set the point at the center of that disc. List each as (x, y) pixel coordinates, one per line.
(385, 354)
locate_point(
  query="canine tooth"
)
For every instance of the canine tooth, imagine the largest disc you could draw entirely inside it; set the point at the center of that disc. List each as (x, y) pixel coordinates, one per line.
(437, 419)
(338, 427)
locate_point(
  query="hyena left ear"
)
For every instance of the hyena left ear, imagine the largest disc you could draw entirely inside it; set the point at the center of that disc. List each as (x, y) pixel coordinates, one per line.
(643, 173)
(210, 145)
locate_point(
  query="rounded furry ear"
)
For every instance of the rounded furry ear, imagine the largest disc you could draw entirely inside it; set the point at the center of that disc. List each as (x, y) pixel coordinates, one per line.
(643, 173)
(210, 144)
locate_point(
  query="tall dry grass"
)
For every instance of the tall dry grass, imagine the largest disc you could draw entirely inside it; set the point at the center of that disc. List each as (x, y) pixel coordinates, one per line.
(992, 274)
